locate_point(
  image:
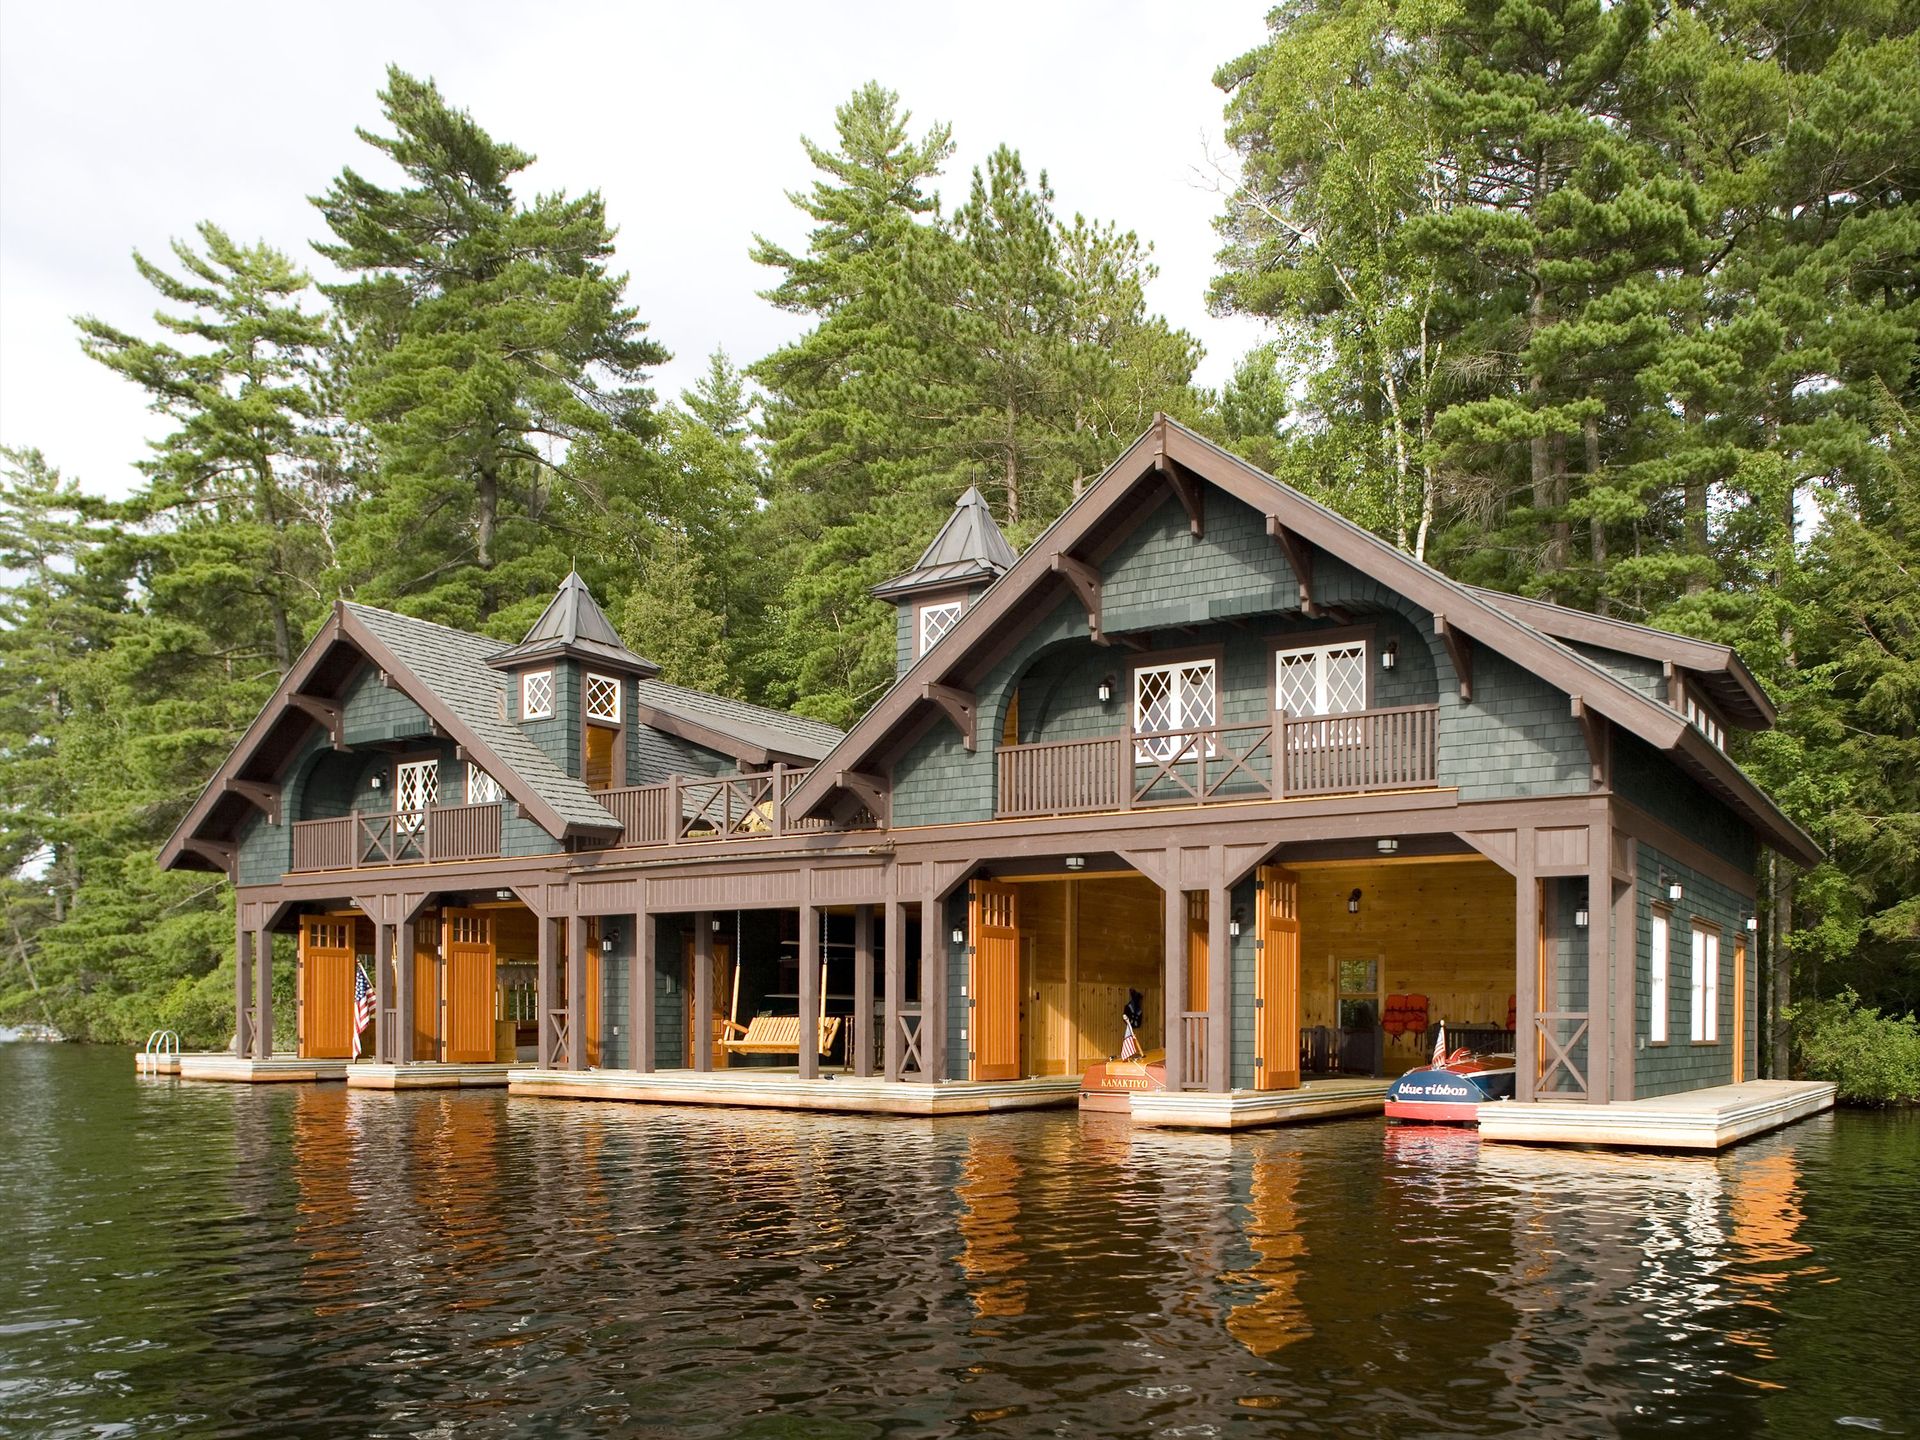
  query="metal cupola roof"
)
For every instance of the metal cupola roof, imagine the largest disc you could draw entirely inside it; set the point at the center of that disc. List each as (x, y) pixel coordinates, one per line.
(573, 624)
(970, 546)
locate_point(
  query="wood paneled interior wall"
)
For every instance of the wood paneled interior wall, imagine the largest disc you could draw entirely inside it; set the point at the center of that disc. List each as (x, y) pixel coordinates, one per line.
(1073, 998)
(1440, 929)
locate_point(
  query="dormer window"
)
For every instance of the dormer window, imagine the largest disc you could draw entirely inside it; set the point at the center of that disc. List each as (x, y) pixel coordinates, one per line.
(482, 788)
(1703, 719)
(536, 695)
(937, 620)
(603, 698)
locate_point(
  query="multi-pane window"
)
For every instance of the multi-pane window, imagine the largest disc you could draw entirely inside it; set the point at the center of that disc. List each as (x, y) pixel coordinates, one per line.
(1706, 984)
(1660, 945)
(1703, 720)
(937, 620)
(603, 698)
(416, 788)
(482, 788)
(1167, 701)
(1322, 679)
(536, 695)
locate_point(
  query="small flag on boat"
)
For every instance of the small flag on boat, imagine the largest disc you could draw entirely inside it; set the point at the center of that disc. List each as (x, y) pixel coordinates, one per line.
(1129, 1047)
(1440, 1046)
(362, 1005)
(1132, 1015)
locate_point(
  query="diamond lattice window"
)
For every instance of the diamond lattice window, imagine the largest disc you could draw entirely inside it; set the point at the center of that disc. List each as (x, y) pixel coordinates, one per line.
(1167, 700)
(416, 788)
(603, 698)
(937, 620)
(482, 788)
(536, 695)
(1322, 680)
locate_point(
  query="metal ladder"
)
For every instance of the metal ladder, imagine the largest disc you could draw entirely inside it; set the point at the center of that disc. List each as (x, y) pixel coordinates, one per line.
(161, 1045)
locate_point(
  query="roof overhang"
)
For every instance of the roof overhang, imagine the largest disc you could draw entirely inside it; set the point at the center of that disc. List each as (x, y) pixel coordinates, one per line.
(743, 749)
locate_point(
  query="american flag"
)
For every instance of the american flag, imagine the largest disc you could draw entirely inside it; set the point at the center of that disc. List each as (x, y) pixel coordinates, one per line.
(1129, 1046)
(362, 1005)
(1440, 1046)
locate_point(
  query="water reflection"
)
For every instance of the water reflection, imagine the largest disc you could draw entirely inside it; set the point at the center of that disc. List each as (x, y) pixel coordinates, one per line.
(307, 1260)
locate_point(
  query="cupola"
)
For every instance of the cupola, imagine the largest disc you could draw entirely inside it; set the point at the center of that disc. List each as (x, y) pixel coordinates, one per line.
(967, 556)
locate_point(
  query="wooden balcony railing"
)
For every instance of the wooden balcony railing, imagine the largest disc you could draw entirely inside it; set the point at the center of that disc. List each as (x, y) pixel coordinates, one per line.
(1193, 1049)
(406, 837)
(698, 807)
(1357, 753)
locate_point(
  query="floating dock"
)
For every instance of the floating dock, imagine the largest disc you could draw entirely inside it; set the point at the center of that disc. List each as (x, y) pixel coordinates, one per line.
(1709, 1119)
(244, 1070)
(767, 1089)
(425, 1075)
(1254, 1109)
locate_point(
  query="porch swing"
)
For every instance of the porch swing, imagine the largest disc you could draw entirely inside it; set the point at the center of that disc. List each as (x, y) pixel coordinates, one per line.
(776, 1034)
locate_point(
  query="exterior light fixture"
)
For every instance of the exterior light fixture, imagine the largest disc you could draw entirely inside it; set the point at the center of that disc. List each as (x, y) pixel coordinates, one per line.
(1353, 903)
(1580, 918)
(376, 780)
(716, 924)
(1106, 689)
(1676, 891)
(606, 943)
(1233, 925)
(1753, 924)
(1390, 655)
(503, 894)
(959, 936)
(1076, 862)
(1387, 845)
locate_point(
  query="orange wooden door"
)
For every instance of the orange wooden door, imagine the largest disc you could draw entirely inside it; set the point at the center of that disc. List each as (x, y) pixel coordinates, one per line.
(593, 992)
(1739, 1011)
(996, 981)
(326, 987)
(426, 987)
(1196, 950)
(1277, 982)
(469, 963)
(722, 997)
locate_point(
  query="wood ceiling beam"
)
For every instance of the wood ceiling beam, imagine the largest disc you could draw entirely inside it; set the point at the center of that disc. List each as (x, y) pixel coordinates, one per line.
(1459, 650)
(959, 706)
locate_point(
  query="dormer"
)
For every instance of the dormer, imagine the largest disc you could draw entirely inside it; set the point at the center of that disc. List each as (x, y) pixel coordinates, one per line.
(967, 556)
(571, 686)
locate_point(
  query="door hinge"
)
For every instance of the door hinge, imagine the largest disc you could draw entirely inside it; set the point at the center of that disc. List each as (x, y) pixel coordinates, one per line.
(1259, 1002)
(1258, 1061)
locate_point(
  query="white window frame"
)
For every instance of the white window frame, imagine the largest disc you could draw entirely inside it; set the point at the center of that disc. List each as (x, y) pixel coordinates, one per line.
(533, 704)
(1165, 745)
(1320, 653)
(611, 682)
(1706, 985)
(949, 610)
(1701, 716)
(1661, 948)
(408, 818)
(482, 788)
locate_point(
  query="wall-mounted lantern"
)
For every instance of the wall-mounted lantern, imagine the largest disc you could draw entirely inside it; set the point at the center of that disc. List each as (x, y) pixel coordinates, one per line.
(1105, 691)
(1753, 924)
(1233, 925)
(1390, 655)
(1676, 891)
(716, 924)
(959, 936)
(607, 939)
(376, 780)
(1353, 903)
(1580, 918)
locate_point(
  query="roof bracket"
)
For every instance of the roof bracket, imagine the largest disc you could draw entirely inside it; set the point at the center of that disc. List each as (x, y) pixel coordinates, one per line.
(870, 790)
(264, 798)
(1187, 490)
(325, 713)
(959, 707)
(220, 852)
(1459, 650)
(1085, 580)
(1300, 557)
(1595, 728)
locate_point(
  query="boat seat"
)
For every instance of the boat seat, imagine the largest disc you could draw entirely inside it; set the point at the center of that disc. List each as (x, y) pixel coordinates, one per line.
(777, 1035)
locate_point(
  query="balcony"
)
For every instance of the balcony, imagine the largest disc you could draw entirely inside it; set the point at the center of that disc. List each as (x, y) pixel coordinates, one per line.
(687, 808)
(398, 837)
(1363, 752)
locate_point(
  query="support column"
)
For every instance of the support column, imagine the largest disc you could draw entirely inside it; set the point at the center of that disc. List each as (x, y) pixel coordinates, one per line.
(242, 989)
(860, 1035)
(1174, 922)
(896, 944)
(933, 990)
(1526, 941)
(263, 994)
(382, 992)
(404, 963)
(576, 991)
(809, 992)
(1219, 982)
(1600, 962)
(640, 982)
(701, 1040)
(543, 983)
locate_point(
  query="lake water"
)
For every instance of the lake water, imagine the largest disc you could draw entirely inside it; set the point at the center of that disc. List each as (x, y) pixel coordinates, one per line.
(305, 1260)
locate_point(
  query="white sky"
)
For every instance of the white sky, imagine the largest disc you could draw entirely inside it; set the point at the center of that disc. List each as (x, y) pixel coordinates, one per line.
(122, 125)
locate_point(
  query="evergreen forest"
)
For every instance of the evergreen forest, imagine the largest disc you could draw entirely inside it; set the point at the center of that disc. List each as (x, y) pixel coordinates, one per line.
(1615, 304)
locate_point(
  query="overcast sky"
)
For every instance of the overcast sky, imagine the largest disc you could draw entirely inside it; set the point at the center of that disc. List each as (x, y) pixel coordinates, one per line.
(122, 125)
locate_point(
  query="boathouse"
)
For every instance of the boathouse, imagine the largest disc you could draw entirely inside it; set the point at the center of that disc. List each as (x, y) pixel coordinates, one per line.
(1205, 741)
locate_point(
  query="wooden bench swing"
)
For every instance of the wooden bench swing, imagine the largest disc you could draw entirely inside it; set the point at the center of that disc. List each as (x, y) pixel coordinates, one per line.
(775, 1034)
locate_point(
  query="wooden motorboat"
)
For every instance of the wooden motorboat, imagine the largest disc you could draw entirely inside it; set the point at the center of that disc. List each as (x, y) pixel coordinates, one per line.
(1112, 1084)
(1452, 1092)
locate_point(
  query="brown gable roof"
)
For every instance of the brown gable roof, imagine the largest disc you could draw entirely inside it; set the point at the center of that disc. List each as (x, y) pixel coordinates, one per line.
(1120, 497)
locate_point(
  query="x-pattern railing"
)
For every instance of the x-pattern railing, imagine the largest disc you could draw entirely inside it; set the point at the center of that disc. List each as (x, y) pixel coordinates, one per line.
(1184, 763)
(1556, 1054)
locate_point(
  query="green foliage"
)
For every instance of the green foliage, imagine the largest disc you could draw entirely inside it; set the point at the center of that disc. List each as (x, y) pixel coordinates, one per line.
(1873, 1058)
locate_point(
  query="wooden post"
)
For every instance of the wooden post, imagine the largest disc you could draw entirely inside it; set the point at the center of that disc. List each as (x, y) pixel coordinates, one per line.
(1174, 945)
(382, 991)
(777, 807)
(1526, 941)
(576, 991)
(860, 1032)
(640, 995)
(1219, 981)
(263, 994)
(896, 963)
(933, 991)
(242, 988)
(676, 808)
(403, 1038)
(1600, 964)
(702, 1037)
(809, 992)
(543, 984)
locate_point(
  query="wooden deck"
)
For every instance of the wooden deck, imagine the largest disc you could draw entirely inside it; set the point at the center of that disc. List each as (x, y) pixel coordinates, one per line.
(1709, 1119)
(281, 1069)
(425, 1075)
(783, 1089)
(1252, 1109)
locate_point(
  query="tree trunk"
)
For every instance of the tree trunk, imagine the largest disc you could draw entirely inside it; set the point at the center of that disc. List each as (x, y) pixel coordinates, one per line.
(1596, 526)
(487, 496)
(1013, 466)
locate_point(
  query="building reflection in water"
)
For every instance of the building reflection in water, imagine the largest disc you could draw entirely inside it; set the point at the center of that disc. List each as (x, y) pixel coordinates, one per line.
(1275, 1317)
(989, 1221)
(327, 1220)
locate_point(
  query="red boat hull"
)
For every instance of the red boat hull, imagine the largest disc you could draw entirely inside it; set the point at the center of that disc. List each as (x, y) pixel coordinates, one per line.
(1112, 1084)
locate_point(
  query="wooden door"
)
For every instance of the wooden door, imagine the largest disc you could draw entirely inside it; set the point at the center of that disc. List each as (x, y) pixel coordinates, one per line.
(469, 960)
(1196, 950)
(723, 997)
(1739, 1011)
(326, 987)
(1277, 981)
(996, 981)
(593, 992)
(426, 986)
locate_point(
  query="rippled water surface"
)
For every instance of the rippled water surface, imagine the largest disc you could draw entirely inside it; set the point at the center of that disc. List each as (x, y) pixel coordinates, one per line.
(304, 1260)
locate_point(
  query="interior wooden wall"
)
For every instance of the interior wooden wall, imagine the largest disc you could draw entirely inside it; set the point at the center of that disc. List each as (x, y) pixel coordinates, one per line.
(1118, 948)
(1441, 929)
